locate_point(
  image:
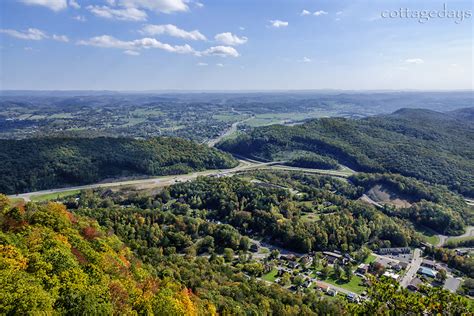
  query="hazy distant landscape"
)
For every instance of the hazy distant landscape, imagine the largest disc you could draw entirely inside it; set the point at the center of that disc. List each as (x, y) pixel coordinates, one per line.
(196, 116)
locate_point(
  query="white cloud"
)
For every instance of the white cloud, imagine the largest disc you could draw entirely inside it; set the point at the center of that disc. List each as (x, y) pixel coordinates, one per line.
(305, 12)
(416, 61)
(60, 38)
(74, 4)
(220, 65)
(55, 5)
(306, 60)
(222, 51)
(278, 23)
(201, 64)
(339, 12)
(228, 38)
(172, 30)
(131, 53)
(107, 41)
(241, 28)
(29, 34)
(126, 14)
(319, 13)
(33, 34)
(199, 4)
(164, 6)
(79, 18)
(28, 48)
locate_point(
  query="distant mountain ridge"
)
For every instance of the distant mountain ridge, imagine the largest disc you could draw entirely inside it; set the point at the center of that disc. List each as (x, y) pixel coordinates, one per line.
(463, 114)
(460, 114)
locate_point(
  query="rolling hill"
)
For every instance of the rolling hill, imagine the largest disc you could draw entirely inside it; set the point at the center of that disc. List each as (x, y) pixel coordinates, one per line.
(36, 164)
(424, 144)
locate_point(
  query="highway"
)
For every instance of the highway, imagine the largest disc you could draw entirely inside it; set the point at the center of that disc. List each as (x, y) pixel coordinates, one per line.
(163, 181)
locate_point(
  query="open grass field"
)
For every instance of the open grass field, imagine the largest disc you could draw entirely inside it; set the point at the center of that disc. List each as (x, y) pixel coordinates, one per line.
(281, 118)
(371, 258)
(311, 217)
(429, 235)
(54, 196)
(353, 285)
(229, 117)
(270, 276)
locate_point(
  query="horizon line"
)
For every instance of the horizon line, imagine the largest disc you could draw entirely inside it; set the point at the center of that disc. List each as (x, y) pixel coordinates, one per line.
(234, 90)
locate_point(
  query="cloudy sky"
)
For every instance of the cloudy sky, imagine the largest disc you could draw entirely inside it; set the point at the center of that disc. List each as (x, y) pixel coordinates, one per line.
(235, 44)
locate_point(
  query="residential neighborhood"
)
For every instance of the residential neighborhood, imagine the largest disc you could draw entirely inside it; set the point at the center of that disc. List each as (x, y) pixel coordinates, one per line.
(335, 273)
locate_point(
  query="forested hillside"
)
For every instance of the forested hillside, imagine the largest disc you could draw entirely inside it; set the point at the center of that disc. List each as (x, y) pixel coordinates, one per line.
(36, 164)
(52, 261)
(433, 206)
(428, 145)
(198, 234)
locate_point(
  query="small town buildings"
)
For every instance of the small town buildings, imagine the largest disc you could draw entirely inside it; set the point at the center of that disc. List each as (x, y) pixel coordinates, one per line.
(385, 262)
(362, 268)
(289, 257)
(331, 292)
(331, 257)
(428, 264)
(402, 265)
(461, 252)
(321, 286)
(391, 275)
(414, 284)
(427, 272)
(394, 251)
(353, 298)
(306, 260)
(293, 265)
(308, 283)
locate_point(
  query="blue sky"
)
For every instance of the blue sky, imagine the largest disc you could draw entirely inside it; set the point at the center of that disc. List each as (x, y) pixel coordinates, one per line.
(234, 45)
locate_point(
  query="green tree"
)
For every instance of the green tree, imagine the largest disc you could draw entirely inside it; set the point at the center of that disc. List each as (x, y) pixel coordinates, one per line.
(441, 275)
(348, 272)
(324, 272)
(228, 254)
(244, 243)
(337, 270)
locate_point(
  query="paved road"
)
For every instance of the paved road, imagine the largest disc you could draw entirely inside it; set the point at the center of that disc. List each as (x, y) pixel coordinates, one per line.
(329, 285)
(367, 199)
(230, 131)
(412, 268)
(443, 238)
(245, 165)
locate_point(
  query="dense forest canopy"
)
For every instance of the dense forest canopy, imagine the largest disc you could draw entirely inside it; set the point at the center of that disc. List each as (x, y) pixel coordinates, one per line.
(428, 145)
(433, 206)
(52, 261)
(62, 260)
(36, 164)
